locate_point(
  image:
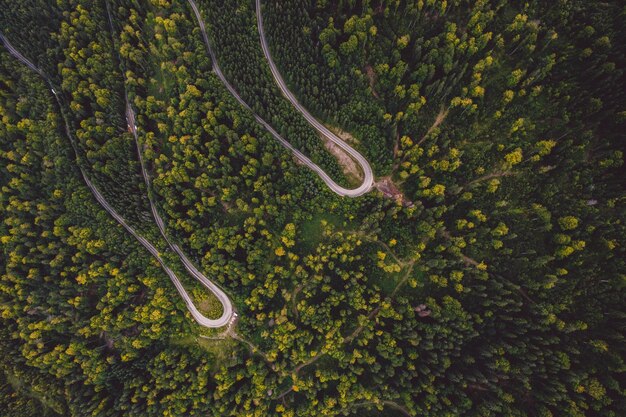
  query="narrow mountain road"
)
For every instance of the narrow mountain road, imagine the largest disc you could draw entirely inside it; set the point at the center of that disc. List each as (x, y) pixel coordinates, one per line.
(368, 176)
(228, 316)
(228, 313)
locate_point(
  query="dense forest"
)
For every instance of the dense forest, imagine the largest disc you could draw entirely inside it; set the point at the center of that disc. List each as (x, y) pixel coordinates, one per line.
(483, 275)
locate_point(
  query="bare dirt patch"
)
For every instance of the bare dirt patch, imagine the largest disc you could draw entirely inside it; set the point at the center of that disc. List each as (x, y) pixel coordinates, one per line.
(371, 76)
(390, 190)
(350, 168)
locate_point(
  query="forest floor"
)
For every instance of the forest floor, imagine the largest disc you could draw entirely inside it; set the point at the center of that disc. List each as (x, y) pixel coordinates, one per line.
(441, 116)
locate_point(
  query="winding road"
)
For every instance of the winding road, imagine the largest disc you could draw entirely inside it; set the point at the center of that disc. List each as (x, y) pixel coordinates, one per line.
(228, 313)
(368, 175)
(228, 316)
(368, 179)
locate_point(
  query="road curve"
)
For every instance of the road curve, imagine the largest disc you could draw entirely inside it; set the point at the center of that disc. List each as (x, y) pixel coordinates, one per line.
(228, 310)
(368, 176)
(199, 317)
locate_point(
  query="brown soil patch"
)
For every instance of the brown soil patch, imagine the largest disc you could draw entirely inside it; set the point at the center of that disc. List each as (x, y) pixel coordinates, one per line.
(390, 190)
(350, 168)
(396, 145)
(371, 76)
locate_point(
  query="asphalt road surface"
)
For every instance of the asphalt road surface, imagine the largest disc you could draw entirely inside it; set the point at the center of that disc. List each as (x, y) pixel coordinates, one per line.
(228, 316)
(368, 176)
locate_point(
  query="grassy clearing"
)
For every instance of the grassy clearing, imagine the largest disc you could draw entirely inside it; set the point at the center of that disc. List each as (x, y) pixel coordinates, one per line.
(50, 406)
(311, 231)
(382, 273)
(222, 350)
(162, 83)
(390, 281)
(386, 281)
